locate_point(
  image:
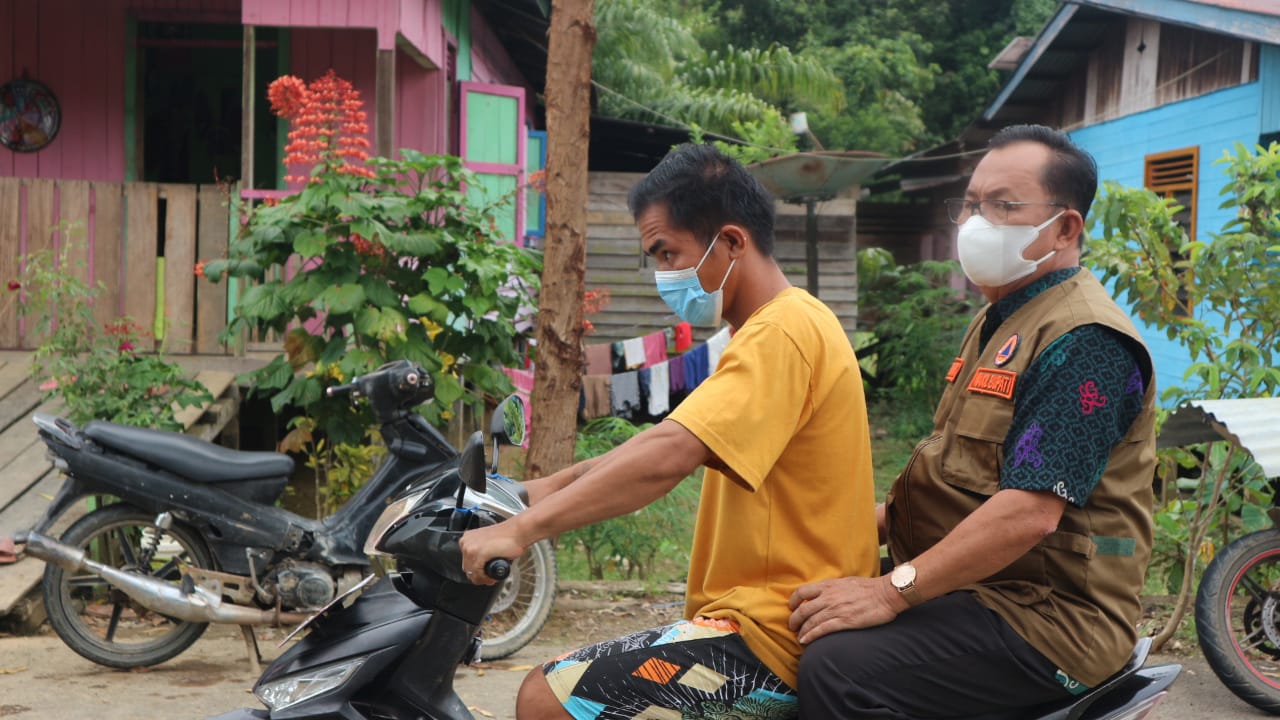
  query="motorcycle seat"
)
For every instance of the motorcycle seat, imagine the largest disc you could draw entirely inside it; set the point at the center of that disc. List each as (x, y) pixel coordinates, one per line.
(189, 457)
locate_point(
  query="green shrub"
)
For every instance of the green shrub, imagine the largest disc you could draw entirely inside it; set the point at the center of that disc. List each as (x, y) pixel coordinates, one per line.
(635, 544)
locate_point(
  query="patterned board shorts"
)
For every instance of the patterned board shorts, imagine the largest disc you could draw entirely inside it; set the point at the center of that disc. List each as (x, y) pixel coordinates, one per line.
(689, 670)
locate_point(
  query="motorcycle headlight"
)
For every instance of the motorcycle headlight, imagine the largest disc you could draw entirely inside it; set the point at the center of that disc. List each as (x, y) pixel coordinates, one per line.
(394, 513)
(293, 689)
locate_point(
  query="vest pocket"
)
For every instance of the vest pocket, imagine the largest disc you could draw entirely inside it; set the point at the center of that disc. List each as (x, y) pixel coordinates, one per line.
(1057, 563)
(975, 449)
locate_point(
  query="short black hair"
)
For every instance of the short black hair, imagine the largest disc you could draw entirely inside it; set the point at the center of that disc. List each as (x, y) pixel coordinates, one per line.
(1071, 177)
(704, 189)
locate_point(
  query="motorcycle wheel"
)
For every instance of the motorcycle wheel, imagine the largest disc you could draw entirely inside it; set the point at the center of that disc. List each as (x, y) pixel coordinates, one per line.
(101, 622)
(524, 603)
(1238, 618)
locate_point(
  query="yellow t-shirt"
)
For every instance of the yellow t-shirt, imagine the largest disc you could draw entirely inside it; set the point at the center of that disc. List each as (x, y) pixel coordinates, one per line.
(791, 499)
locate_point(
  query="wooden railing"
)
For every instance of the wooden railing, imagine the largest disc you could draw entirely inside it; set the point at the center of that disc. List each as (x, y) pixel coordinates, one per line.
(139, 241)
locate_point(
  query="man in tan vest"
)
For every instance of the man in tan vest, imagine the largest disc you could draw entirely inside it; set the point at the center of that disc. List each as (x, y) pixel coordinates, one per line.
(1020, 530)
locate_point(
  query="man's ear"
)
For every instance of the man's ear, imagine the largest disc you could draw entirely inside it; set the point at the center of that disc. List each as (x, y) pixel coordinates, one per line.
(1071, 225)
(737, 239)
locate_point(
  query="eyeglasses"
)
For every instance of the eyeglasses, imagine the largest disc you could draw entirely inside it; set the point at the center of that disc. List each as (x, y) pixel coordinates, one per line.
(995, 211)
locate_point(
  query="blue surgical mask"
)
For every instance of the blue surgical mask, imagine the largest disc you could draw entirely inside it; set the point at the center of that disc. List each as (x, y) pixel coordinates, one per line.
(682, 290)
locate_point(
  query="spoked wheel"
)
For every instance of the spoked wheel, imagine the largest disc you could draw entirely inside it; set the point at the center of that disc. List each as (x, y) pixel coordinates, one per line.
(1238, 618)
(523, 605)
(101, 622)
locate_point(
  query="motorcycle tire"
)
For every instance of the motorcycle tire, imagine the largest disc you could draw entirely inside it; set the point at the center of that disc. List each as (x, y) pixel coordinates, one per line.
(1238, 618)
(524, 603)
(102, 623)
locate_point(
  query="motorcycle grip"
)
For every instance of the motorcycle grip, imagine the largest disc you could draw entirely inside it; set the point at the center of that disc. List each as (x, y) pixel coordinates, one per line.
(336, 390)
(497, 568)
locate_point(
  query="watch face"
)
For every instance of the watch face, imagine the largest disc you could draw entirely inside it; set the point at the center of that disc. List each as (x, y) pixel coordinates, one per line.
(903, 576)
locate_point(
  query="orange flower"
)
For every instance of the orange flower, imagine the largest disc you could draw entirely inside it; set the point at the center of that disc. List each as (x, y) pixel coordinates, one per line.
(200, 269)
(327, 125)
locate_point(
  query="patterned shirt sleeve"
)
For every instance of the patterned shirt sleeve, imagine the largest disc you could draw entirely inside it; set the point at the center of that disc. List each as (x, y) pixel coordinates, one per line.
(1076, 401)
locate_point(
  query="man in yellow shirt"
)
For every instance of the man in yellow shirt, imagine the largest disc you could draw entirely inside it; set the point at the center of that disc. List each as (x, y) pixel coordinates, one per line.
(787, 497)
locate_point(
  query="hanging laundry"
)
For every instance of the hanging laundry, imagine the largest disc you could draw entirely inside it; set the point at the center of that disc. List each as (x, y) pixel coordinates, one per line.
(618, 357)
(624, 394)
(659, 389)
(655, 348)
(695, 366)
(684, 337)
(675, 375)
(599, 359)
(633, 351)
(715, 348)
(643, 375)
(595, 392)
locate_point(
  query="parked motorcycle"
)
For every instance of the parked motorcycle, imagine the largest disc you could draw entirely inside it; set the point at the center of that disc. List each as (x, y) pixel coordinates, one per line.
(392, 653)
(197, 536)
(1238, 616)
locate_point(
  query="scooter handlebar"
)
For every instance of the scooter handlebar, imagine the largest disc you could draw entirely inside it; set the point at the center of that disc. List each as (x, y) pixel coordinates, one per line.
(336, 390)
(498, 568)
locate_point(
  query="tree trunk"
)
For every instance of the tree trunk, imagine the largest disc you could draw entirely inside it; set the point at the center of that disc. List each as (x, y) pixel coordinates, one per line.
(559, 361)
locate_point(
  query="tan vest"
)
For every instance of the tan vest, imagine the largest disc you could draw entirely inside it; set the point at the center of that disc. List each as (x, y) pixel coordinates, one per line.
(1075, 596)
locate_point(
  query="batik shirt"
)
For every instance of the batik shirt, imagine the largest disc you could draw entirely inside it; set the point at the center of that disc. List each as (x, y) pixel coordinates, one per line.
(1071, 407)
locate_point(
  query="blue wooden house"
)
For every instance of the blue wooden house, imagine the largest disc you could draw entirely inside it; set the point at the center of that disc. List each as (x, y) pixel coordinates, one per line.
(1155, 90)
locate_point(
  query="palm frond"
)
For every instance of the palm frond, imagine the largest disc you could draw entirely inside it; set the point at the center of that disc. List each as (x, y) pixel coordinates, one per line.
(774, 74)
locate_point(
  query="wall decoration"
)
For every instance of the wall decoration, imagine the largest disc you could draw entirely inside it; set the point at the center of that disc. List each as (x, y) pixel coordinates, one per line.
(29, 115)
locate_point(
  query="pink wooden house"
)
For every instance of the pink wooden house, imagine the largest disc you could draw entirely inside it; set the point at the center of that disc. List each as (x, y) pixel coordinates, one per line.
(126, 124)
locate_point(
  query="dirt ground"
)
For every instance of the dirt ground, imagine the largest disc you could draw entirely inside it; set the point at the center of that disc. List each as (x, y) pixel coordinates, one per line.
(41, 678)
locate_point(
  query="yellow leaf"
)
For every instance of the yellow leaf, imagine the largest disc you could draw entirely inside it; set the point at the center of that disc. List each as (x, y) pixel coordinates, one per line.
(12, 671)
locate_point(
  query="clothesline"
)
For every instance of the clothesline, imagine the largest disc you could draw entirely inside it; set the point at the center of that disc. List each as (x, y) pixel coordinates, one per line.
(642, 394)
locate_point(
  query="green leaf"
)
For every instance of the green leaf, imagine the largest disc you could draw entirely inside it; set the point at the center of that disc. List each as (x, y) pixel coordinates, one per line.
(378, 292)
(448, 389)
(264, 302)
(309, 245)
(342, 299)
(425, 304)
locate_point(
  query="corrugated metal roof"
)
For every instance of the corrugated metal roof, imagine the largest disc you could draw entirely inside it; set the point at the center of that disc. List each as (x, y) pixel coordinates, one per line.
(1251, 423)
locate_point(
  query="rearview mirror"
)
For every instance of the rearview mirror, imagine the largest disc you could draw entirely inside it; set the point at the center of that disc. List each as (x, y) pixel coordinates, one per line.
(507, 426)
(471, 464)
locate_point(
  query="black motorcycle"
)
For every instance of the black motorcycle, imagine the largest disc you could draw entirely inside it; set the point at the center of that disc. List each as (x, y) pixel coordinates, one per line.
(196, 535)
(391, 654)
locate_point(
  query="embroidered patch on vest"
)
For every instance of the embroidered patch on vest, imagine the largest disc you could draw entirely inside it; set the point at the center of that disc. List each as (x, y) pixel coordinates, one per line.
(994, 382)
(954, 372)
(1073, 686)
(1006, 351)
(1122, 546)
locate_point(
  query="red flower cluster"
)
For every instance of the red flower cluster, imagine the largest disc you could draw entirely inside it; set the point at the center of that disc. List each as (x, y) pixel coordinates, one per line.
(368, 247)
(327, 125)
(14, 286)
(538, 180)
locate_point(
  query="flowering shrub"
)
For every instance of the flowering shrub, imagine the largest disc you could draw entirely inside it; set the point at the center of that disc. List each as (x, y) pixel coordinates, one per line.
(97, 370)
(392, 262)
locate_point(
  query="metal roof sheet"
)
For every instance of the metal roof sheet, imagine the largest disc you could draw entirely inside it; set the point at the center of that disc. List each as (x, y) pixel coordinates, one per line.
(1248, 422)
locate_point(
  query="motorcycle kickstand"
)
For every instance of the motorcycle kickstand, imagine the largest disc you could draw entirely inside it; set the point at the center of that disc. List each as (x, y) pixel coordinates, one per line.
(251, 648)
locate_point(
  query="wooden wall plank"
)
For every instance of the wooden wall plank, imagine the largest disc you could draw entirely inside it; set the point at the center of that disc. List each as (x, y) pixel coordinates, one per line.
(108, 249)
(211, 298)
(10, 250)
(40, 227)
(141, 218)
(179, 267)
(73, 211)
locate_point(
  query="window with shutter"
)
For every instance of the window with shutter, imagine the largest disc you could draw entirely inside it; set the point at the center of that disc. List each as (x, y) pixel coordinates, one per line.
(1175, 174)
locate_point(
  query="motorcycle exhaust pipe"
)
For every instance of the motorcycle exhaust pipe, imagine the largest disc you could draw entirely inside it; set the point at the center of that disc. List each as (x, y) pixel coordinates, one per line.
(199, 605)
